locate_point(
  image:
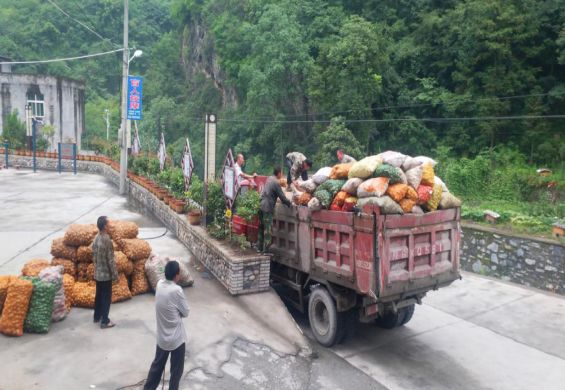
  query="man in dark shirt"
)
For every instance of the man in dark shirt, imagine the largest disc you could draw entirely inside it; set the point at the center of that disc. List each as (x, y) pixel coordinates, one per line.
(105, 272)
(271, 192)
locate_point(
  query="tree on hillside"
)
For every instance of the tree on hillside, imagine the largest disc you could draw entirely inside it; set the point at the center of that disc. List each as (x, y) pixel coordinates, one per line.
(336, 136)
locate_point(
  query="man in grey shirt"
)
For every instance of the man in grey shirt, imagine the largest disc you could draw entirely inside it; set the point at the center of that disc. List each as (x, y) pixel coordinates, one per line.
(170, 307)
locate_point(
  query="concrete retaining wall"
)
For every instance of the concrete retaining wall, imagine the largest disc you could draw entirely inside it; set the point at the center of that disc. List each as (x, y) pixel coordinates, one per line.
(240, 272)
(530, 262)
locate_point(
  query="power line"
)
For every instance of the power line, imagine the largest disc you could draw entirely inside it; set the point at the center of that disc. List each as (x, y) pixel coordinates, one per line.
(418, 105)
(60, 59)
(81, 23)
(517, 117)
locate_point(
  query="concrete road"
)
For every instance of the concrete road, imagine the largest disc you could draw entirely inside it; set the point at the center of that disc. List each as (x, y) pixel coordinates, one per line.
(247, 342)
(478, 333)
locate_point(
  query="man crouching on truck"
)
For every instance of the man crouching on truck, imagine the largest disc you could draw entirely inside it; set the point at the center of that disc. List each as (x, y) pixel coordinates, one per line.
(271, 192)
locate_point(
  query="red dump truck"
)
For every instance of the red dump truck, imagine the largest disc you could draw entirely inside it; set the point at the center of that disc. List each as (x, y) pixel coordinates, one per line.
(361, 266)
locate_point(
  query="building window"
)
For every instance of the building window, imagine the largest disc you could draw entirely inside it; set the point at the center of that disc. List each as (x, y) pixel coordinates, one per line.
(35, 100)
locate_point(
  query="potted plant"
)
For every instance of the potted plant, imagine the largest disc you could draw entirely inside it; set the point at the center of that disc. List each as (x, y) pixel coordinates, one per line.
(194, 215)
(178, 205)
(247, 208)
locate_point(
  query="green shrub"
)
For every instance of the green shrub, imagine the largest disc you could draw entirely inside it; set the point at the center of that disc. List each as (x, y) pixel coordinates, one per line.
(247, 205)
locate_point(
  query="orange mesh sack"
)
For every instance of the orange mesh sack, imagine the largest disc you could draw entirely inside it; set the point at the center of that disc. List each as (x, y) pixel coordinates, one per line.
(68, 266)
(136, 249)
(34, 267)
(340, 197)
(83, 294)
(84, 254)
(5, 281)
(82, 274)
(397, 191)
(90, 272)
(139, 282)
(411, 194)
(62, 251)
(340, 171)
(120, 290)
(433, 203)
(428, 175)
(303, 199)
(15, 307)
(79, 235)
(119, 230)
(68, 283)
(373, 187)
(123, 264)
(424, 194)
(407, 204)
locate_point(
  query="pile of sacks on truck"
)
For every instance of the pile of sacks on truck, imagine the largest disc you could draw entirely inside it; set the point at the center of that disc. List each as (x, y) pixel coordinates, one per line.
(397, 183)
(46, 290)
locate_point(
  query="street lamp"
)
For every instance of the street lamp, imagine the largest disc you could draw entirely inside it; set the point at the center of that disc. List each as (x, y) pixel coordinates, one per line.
(137, 53)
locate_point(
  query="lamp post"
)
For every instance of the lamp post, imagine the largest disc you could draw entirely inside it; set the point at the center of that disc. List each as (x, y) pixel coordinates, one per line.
(123, 127)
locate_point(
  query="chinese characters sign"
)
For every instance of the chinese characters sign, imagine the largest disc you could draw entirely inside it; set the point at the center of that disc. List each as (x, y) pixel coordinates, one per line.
(135, 88)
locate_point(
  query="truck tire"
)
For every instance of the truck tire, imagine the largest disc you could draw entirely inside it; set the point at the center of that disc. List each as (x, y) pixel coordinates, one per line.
(409, 312)
(392, 320)
(325, 322)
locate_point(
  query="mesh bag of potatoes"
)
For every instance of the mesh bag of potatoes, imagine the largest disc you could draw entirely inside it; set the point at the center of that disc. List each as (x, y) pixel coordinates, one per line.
(5, 281)
(82, 272)
(139, 282)
(83, 294)
(123, 264)
(79, 235)
(15, 307)
(69, 267)
(34, 267)
(84, 254)
(119, 230)
(40, 309)
(68, 283)
(135, 249)
(62, 251)
(120, 289)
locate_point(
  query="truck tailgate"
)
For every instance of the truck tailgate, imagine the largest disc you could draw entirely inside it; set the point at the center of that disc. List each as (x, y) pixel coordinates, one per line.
(417, 252)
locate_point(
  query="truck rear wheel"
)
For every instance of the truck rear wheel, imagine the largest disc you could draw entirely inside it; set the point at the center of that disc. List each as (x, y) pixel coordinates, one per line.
(324, 318)
(392, 320)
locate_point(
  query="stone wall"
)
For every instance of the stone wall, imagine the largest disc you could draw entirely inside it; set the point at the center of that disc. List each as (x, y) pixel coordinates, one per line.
(241, 272)
(531, 262)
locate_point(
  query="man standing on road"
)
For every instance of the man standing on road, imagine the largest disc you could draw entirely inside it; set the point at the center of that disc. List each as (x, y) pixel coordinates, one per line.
(271, 192)
(170, 307)
(105, 273)
(298, 166)
(344, 158)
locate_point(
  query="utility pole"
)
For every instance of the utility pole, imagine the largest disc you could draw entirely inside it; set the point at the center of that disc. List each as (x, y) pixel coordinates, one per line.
(125, 71)
(107, 118)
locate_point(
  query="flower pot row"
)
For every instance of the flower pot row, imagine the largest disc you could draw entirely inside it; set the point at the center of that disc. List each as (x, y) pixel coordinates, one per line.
(161, 193)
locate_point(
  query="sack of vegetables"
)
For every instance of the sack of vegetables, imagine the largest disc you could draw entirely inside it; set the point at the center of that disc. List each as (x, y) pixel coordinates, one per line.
(38, 317)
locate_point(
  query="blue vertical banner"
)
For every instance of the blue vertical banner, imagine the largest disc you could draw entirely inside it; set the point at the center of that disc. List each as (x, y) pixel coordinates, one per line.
(135, 88)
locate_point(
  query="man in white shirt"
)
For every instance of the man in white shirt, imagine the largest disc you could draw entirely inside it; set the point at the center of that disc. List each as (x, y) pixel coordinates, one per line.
(170, 307)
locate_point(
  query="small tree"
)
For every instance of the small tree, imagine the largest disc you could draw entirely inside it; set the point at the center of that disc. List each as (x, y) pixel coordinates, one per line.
(334, 137)
(48, 131)
(14, 131)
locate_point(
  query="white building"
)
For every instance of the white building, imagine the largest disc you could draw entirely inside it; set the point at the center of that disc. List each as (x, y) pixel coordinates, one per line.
(58, 101)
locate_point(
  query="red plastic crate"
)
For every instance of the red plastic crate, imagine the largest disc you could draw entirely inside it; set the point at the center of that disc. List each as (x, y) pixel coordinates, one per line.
(239, 225)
